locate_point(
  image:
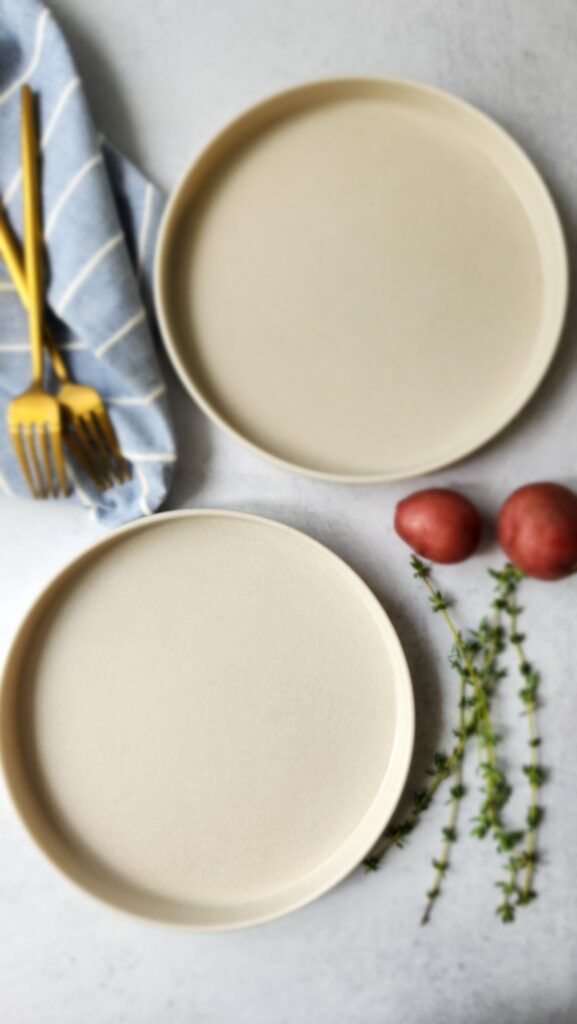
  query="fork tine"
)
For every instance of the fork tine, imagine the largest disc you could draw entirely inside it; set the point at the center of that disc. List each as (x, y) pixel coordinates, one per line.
(96, 450)
(83, 456)
(101, 445)
(45, 455)
(22, 460)
(56, 443)
(102, 439)
(104, 423)
(30, 442)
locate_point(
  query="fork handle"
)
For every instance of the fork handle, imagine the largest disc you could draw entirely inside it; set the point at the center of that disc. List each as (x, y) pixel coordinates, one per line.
(32, 231)
(13, 260)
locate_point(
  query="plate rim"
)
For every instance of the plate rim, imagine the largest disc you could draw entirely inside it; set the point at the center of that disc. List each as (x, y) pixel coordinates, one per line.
(403, 685)
(337, 83)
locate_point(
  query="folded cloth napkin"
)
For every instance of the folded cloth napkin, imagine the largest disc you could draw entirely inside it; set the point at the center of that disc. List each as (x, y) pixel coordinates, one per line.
(100, 220)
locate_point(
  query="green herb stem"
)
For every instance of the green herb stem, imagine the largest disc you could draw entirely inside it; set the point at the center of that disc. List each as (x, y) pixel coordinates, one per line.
(445, 765)
(441, 864)
(496, 787)
(488, 643)
(525, 861)
(441, 604)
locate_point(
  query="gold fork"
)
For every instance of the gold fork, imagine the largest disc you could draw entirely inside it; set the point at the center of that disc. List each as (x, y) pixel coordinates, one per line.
(34, 418)
(89, 433)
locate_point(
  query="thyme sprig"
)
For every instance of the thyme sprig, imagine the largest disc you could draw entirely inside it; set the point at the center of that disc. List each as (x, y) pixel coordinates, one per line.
(444, 765)
(496, 790)
(449, 832)
(495, 787)
(476, 659)
(523, 862)
(483, 648)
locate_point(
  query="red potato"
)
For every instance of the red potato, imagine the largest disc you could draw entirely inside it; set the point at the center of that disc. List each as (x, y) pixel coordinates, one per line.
(537, 529)
(439, 524)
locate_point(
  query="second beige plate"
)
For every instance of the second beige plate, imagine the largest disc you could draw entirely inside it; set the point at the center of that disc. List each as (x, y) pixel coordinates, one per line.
(362, 279)
(206, 719)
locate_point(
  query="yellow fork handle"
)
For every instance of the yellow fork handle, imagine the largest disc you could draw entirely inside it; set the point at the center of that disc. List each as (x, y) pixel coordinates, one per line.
(11, 256)
(13, 260)
(32, 231)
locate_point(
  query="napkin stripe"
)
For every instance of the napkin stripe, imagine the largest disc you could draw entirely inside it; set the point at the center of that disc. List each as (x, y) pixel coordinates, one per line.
(72, 346)
(144, 228)
(142, 400)
(86, 271)
(5, 487)
(61, 102)
(119, 334)
(72, 85)
(150, 456)
(144, 492)
(38, 44)
(71, 187)
(24, 346)
(79, 490)
(12, 187)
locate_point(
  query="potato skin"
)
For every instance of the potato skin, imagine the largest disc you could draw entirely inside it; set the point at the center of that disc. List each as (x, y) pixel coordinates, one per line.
(537, 529)
(439, 524)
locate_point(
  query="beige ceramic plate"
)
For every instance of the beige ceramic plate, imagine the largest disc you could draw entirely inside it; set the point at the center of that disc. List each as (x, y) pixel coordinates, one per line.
(206, 719)
(363, 279)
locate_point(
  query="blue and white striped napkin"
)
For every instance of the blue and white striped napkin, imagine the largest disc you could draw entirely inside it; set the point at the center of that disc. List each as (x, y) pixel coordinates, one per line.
(100, 222)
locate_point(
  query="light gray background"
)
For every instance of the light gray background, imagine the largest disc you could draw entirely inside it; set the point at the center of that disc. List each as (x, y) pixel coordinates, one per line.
(162, 75)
